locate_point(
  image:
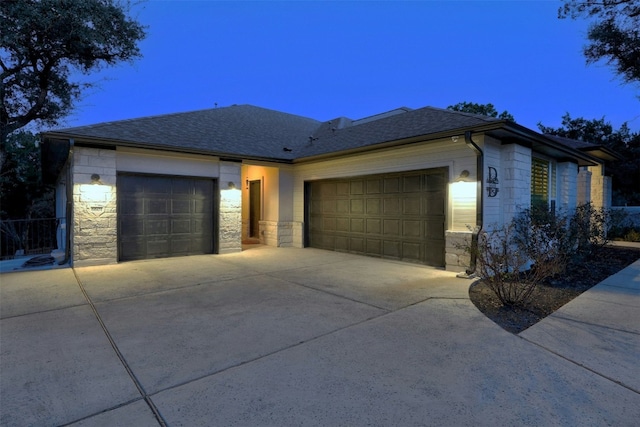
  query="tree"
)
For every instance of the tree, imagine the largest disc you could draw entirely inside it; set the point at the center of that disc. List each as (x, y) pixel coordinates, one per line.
(21, 190)
(625, 172)
(614, 34)
(481, 109)
(43, 41)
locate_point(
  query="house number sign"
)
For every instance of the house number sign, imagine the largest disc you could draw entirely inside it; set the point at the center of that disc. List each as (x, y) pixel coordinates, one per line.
(492, 182)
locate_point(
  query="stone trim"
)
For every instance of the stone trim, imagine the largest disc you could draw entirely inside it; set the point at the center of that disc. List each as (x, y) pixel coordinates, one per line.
(456, 258)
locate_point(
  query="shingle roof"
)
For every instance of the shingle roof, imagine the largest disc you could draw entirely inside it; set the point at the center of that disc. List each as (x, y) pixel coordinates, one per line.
(245, 130)
(408, 124)
(239, 129)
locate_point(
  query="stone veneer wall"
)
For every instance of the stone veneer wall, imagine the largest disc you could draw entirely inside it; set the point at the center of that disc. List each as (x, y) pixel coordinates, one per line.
(230, 220)
(456, 258)
(567, 197)
(277, 233)
(94, 233)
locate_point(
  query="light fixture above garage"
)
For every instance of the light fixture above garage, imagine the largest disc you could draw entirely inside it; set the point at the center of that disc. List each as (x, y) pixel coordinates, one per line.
(463, 176)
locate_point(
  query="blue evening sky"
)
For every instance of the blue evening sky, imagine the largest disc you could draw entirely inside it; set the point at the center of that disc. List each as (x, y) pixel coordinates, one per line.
(328, 59)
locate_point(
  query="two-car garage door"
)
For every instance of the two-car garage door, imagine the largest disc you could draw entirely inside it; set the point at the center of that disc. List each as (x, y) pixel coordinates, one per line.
(164, 216)
(397, 216)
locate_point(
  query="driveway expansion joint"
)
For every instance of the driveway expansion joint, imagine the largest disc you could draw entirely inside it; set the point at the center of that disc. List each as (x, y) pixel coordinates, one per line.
(568, 319)
(136, 382)
(555, 353)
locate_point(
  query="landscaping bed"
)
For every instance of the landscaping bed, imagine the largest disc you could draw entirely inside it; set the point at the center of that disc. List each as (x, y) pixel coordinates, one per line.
(554, 292)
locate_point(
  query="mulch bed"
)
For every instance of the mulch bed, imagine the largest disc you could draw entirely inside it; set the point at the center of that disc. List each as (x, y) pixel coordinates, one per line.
(556, 292)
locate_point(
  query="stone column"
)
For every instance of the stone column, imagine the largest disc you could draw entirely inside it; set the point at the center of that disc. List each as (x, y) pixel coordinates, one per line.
(230, 220)
(95, 229)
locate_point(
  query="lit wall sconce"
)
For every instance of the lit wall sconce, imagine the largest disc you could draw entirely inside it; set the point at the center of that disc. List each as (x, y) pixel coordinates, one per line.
(96, 193)
(231, 185)
(464, 175)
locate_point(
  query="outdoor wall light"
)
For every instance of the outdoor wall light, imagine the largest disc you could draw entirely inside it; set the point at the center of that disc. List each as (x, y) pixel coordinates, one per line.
(231, 185)
(95, 179)
(463, 176)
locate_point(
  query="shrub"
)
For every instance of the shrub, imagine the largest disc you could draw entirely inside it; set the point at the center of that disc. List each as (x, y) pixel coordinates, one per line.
(536, 245)
(511, 269)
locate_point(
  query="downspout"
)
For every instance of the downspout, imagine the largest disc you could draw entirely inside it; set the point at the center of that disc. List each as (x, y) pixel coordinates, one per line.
(69, 204)
(479, 207)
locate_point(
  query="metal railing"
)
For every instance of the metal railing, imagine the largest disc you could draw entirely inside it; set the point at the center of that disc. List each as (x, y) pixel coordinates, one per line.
(28, 237)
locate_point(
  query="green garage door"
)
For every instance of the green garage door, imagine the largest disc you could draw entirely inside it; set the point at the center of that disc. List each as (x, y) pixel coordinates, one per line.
(164, 216)
(398, 216)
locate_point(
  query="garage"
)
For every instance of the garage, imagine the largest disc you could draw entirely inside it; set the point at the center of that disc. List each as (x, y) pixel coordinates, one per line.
(396, 216)
(164, 216)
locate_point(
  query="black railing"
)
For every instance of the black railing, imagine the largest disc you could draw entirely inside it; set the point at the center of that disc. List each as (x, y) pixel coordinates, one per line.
(27, 237)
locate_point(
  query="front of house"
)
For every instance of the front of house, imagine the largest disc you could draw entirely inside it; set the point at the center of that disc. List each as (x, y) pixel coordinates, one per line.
(406, 184)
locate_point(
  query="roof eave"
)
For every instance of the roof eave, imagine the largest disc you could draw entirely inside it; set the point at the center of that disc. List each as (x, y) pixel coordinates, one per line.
(97, 141)
(400, 142)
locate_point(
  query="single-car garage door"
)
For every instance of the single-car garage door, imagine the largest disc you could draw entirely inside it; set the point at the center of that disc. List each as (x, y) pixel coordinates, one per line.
(164, 216)
(397, 216)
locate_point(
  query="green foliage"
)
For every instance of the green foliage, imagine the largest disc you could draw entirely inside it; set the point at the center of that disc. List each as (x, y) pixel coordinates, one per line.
(21, 190)
(481, 109)
(43, 41)
(625, 172)
(614, 33)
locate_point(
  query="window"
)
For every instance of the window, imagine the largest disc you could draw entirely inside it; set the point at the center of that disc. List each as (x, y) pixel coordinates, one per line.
(543, 183)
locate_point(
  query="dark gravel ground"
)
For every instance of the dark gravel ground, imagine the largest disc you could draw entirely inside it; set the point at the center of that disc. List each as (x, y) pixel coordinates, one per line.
(554, 293)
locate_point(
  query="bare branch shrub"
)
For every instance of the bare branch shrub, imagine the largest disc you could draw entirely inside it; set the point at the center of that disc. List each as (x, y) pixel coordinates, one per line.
(511, 269)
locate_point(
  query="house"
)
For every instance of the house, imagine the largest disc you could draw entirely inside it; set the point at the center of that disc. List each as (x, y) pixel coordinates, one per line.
(407, 184)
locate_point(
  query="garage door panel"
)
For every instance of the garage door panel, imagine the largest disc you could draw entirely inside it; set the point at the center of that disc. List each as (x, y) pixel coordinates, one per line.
(374, 226)
(181, 206)
(155, 227)
(342, 189)
(391, 227)
(412, 251)
(156, 206)
(357, 206)
(157, 185)
(356, 244)
(129, 206)
(342, 224)
(390, 215)
(412, 229)
(411, 206)
(161, 216)
(391, 185)
(329, 224)
(373, 206)
(391, 206)
(412, 183)
(374, 186)
(391, 249)
(374, 246)
(342, 206)
(356, 187)
(357, 225)
(181, 226)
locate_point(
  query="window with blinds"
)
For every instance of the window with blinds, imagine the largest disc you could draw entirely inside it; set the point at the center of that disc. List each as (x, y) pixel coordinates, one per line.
(539, 182)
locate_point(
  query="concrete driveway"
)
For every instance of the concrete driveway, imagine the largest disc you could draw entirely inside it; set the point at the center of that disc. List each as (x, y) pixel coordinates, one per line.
(291, 337)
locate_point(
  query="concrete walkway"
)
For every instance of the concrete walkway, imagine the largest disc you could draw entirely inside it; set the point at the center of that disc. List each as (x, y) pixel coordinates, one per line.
(304, 337)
